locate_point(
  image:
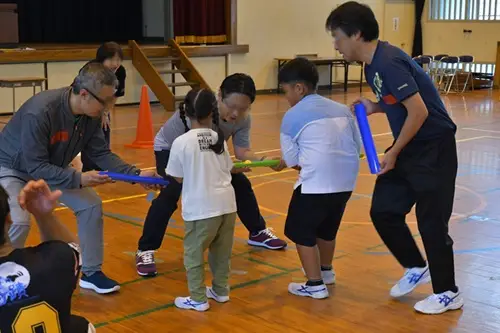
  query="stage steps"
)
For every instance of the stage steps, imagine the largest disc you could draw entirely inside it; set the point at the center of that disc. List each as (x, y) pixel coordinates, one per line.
(169, 77)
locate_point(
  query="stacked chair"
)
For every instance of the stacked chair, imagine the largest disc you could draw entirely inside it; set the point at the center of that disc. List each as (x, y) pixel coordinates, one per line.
(445, 69)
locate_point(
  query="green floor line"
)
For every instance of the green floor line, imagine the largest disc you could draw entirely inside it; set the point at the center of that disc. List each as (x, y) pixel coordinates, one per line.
(257, 261)
(283, 272)
(135, 315)
(234, 287)
(136, 224)
(181, 269)
(169, 305)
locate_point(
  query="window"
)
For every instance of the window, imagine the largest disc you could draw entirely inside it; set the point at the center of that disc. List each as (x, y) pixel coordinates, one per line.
(464, 10)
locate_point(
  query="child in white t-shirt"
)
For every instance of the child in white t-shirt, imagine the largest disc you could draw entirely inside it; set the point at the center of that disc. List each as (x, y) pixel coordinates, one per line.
(200, 160)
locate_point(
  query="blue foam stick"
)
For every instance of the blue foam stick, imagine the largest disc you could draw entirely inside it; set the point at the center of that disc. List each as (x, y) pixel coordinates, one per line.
(366, 136)
(135, 179)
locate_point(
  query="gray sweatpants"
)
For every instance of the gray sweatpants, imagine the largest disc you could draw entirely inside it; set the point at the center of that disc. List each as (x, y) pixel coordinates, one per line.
(85, 204)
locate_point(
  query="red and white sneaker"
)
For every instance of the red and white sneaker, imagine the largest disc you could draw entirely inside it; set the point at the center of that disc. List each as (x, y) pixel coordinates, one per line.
(145, 263)
(266, 238)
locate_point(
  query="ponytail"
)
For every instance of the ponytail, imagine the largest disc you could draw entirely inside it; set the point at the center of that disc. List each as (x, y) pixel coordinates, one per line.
(182, 113)
(218, 147)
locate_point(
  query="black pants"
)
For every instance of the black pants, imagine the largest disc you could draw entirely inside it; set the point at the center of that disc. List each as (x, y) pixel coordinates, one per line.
(87, 163)
(165, 205)
(424, 175)
(77, 324)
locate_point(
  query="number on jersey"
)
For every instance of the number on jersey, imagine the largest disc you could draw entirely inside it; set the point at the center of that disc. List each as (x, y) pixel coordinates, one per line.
(37, 318)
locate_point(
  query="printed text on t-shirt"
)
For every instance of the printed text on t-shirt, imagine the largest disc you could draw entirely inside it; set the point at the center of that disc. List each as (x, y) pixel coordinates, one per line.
(204, 140)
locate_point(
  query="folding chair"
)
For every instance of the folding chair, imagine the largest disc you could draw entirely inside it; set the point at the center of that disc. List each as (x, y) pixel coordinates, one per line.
(467, 61)
(448, 71)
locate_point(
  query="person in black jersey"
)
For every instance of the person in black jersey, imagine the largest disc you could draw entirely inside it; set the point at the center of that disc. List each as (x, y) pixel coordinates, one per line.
(36, 283)
(110, 55)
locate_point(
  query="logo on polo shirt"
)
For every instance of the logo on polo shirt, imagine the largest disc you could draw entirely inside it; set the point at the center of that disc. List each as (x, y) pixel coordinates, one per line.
(387, 99)
(377, 84)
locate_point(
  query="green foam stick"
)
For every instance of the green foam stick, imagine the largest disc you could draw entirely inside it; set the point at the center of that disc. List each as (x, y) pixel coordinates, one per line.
(265, 163)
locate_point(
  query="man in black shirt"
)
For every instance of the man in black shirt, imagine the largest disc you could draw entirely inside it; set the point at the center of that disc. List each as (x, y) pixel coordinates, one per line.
(419, 168)
(36, 283)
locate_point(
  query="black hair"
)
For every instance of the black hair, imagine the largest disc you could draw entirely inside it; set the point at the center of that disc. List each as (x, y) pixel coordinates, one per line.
(4, 212)
(199, 104)
(238, 83)
(299, 70)
(352, 17)
(108, 50)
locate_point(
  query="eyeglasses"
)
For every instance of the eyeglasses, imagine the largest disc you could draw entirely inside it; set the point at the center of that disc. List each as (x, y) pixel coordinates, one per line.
(100, 100)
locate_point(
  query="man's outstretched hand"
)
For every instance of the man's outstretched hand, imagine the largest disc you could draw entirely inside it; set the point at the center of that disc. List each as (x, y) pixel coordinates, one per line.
(37, 198)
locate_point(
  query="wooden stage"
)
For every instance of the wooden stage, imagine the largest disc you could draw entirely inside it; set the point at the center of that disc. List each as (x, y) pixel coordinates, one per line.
(360, 300)
(43, 53)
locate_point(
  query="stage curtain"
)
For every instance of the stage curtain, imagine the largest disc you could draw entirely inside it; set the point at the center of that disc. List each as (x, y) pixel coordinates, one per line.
(89, 21)
(200, 21)
(417, 36)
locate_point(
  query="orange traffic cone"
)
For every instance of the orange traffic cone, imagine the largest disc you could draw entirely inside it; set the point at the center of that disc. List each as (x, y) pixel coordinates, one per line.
(144, 135)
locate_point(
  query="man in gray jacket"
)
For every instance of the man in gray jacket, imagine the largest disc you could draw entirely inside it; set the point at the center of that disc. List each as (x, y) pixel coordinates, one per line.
(41, 140)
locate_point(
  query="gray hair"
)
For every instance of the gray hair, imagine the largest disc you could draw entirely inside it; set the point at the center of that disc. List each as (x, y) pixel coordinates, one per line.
(94, 76)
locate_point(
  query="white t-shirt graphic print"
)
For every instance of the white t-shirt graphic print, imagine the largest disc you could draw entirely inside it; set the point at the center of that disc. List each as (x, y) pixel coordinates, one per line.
(206, 189)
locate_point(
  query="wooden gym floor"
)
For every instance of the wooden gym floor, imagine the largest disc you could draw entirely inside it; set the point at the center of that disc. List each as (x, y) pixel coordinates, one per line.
(360, 300)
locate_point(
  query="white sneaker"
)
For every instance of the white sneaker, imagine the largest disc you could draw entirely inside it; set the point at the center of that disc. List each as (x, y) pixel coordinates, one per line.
(412, 278)
(327, 276)
(220, 299)
(301, 289)
(188, 304)
(439, 303)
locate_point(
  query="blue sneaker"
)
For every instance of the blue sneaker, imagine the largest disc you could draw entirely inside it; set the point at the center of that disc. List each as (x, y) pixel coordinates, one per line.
(99, 283)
